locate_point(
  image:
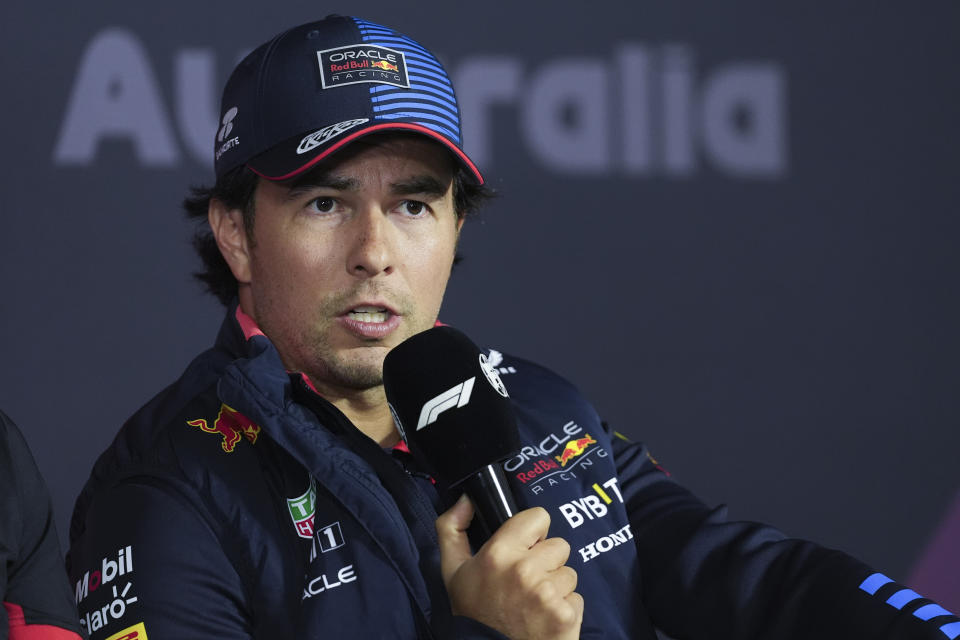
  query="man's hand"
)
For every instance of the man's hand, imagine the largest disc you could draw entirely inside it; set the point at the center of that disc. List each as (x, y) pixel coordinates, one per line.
(518, 582)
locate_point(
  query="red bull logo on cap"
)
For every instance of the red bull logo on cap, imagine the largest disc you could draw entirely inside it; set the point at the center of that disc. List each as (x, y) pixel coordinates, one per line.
(231, 425)
(574, 448)
(386, 66)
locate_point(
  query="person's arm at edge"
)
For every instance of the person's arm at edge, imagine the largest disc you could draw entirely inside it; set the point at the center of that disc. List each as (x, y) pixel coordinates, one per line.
(36, 595)
(705, 577)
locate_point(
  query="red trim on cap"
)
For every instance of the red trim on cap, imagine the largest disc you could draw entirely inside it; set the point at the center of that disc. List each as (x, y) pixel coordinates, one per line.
(20, 630)
(377, 127)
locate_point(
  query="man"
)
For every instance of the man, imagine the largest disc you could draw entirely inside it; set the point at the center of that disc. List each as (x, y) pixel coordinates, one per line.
(33, 585)
(266, 492)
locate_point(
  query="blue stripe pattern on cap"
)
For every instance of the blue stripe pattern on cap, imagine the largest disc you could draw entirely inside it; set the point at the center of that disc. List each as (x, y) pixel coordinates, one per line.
(429, 101)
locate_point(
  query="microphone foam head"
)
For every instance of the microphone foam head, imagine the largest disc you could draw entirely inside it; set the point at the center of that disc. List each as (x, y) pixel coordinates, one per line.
(450, 405)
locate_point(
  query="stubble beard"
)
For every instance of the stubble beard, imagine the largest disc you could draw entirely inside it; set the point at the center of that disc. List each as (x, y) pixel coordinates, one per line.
(355, 368)
(311, 348)
(330, 367)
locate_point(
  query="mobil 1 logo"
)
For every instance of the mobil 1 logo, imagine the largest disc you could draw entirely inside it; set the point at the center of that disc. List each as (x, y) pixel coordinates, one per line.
(362, 63)
(326, 538)
(329, 537)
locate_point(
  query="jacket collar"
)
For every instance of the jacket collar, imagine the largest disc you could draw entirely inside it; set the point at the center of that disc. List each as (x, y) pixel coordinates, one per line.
(256, 384)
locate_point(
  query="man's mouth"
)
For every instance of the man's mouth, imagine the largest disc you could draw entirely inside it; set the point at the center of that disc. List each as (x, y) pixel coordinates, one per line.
(374, 315)
(371, 320)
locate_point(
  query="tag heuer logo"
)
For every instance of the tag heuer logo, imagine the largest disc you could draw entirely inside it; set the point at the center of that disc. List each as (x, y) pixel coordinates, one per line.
(362, 63)
(302, 509)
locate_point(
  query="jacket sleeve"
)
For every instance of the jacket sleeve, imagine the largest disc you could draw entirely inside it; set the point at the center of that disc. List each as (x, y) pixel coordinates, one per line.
(33, 584)
(144, 561)
(706, 577)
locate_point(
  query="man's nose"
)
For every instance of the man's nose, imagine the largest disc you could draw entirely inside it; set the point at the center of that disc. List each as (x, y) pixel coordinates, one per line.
(372, 249)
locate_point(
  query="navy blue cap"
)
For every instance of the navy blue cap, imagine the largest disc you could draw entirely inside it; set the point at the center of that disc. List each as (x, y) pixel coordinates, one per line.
(314, 88)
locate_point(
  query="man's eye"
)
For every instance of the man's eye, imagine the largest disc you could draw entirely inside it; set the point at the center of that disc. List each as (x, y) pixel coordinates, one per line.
(414, 207)
(323, 205)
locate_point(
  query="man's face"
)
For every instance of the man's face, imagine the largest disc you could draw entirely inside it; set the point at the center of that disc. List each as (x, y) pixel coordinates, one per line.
(353, 258)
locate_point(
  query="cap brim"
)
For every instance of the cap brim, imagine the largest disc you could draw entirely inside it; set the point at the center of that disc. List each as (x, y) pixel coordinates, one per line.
(282, 162)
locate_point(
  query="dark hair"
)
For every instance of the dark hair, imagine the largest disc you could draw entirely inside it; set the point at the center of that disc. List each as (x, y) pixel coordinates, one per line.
(236, 189)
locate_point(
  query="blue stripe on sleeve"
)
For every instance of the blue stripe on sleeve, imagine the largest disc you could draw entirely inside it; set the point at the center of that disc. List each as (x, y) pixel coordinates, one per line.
(872, 584)
(928, 611)
(902, 598)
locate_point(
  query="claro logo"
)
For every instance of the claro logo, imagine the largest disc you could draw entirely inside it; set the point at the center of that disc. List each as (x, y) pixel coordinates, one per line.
(106, 608)
(639, 110)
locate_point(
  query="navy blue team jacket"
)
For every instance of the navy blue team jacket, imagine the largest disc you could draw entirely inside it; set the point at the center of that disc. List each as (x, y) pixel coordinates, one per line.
(240, 504)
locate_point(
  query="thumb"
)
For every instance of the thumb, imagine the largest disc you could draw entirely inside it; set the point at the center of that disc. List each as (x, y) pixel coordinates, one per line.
(452, 537)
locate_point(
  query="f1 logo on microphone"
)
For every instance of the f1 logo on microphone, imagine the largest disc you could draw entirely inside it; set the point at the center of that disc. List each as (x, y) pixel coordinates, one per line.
(456, 396)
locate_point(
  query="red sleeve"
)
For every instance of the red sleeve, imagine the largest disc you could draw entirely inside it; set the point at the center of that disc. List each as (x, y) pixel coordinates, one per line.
(21, 630)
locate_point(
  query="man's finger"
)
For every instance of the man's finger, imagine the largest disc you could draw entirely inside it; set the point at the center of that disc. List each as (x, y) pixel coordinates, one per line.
(552, 553)
(565, 580)
(452, 537)
(575, 600)
(526, 528)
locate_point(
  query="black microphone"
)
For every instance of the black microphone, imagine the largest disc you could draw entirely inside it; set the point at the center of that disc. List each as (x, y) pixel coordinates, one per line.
(453, 411)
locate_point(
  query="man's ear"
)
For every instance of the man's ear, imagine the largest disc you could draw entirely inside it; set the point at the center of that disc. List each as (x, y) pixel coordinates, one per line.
(232, 239)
